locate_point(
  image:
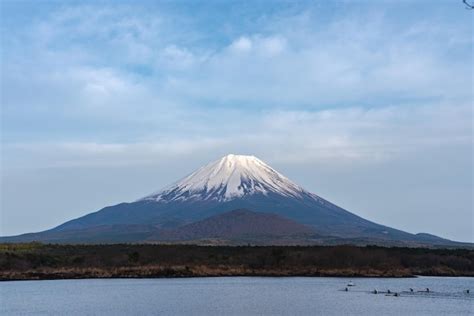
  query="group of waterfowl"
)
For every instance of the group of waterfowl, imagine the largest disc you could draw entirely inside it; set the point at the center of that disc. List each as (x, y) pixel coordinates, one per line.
(390, 293)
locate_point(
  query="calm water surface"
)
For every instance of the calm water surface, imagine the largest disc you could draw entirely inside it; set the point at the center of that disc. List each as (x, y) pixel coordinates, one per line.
(236, 296)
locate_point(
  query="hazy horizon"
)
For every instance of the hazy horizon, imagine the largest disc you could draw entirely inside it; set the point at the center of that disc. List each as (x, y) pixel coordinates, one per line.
(366, 104)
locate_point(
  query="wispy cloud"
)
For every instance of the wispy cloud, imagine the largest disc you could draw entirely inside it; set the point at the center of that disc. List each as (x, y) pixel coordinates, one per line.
(88, 55)
(331, 137)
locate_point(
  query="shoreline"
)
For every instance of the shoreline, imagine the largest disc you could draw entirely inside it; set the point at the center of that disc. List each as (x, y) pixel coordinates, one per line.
(52, 275)
(215, 276)
(115, 277)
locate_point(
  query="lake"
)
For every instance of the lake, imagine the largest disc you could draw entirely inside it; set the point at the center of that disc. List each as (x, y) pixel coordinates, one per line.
(237, 296)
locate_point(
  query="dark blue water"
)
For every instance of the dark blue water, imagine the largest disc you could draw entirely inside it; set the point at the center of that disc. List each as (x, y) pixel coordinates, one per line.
(237, 296)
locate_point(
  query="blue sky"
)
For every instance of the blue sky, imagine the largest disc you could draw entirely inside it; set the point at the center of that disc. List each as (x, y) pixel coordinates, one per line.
(366, 103)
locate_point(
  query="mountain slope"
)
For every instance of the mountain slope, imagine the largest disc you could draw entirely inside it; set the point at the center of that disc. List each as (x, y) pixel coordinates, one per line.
(232, 226)
(237, 224)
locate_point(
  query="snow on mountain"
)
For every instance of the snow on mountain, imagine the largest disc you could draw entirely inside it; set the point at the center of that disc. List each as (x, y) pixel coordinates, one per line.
(230, 177)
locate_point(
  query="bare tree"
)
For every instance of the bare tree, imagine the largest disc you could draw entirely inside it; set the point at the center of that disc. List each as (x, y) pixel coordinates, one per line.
(468, 5)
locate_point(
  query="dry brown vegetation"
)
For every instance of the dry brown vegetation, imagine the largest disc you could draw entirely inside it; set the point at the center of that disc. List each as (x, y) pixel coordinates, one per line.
(38, 261)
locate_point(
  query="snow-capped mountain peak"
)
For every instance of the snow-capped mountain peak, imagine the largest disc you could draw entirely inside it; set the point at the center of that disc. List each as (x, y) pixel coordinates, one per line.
(230, 177)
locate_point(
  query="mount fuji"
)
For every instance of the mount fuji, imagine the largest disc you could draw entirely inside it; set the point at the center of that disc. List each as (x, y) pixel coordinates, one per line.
(232, 200)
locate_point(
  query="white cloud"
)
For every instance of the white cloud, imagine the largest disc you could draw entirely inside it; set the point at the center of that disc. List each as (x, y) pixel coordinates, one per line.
(241, 45)
(261, 45)
(271, 46)
(176, 57)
